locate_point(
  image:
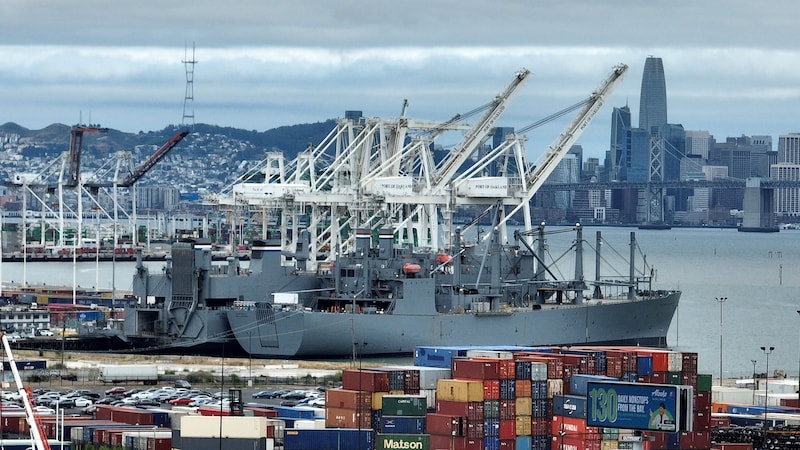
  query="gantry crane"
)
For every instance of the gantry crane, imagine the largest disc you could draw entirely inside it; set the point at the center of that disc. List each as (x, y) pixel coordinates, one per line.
(75, 147)
(34, 423)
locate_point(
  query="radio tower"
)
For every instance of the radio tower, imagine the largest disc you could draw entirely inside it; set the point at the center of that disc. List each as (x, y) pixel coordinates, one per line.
(188, 99)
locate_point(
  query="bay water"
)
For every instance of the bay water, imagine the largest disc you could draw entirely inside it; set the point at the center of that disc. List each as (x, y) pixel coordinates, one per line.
(757, 273)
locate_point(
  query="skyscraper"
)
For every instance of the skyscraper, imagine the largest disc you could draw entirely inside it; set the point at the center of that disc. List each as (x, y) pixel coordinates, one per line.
(653, 98)
(619, 159)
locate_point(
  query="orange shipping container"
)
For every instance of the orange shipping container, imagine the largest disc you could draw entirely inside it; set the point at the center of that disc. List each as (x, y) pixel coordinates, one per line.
(523, 388)
(347, 418)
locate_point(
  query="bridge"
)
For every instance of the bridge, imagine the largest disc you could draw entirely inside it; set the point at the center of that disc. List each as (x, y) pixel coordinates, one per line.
(759, 200)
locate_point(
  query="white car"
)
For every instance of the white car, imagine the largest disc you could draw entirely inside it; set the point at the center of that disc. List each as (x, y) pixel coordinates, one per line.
(46, 333)
(81, 402)
(44, 409)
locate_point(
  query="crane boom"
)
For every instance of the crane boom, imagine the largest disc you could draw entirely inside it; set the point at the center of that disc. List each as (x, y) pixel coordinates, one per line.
(478, 133)
(35, 425)
(75, 148)
(555, 153)
(154, 159)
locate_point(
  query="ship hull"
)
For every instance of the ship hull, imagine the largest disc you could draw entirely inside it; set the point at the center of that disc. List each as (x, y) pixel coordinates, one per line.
(302, 333)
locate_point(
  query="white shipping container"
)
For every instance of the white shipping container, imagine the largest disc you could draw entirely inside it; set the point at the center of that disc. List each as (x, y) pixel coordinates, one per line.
(675, 362)
(307, 424)
(260, 191)
(231, 426)
(280, 427)
(555, 387)
(538, 371)
(725, 394)
(500, 354)
(430, 397)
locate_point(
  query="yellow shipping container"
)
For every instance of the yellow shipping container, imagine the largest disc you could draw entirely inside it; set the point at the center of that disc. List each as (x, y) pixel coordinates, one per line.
(609, 445)
(377, 399)
(524, 406)
(42, 300)
(459, 390)
(523, 425)
(397, 392)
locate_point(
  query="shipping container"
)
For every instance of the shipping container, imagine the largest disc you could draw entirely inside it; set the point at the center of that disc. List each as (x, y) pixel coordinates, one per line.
(404, 405)
(441, 357)
(231, 427)
(570, 406)
(459, 390)
(230, 443)
(365, 380)
(579, 384)
(476, 369)
(444, 425)
(402, 425)
(347, 418)
(384, 441)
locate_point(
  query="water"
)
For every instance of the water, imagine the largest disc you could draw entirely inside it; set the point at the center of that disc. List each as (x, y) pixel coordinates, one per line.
(758, 273)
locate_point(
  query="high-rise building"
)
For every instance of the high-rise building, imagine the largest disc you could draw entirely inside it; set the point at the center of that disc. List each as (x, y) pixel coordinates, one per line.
(787, 169)
(618, 158)
(698, 142)
(653, 97)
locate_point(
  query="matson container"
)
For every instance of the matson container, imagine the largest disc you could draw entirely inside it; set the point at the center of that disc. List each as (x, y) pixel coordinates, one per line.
(402, 441)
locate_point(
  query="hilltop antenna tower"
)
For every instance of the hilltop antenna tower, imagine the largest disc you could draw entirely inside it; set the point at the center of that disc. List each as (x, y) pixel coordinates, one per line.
(188, 99)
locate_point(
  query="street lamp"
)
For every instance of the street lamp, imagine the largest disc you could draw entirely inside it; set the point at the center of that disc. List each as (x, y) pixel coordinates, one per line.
(721, 301)
(754, 380)
(767, 351)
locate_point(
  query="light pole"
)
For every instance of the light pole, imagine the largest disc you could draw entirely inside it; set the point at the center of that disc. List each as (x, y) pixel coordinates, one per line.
(754, 380)
(767, 351)
(721, 301)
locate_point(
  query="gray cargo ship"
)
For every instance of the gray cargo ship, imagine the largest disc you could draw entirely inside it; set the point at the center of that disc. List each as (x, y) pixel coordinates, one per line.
(386, 300)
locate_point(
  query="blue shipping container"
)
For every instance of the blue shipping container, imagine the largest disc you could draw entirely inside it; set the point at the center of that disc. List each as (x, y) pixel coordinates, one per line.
(328, 438)
(644, 365)
(569, 406)
(402, 425)
(491, 443)
(578, 385)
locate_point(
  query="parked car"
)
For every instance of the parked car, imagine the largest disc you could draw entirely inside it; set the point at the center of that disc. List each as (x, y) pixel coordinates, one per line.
(116, 390)
(264, 394)
(183, 384)
(47, 333)
(82, 402)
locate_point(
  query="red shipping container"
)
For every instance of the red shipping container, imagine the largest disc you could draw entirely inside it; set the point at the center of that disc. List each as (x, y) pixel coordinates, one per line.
(734, 446)
(508, 409)
(347, 399)
(659, 378)
(508, 429)
(159, 443)
(540, 425)
(575, 443)
(491, 389)
(477, 368)
(347, 418)
(523, 388)
(470, 410)
(572, 426)
(790, 402)
(687, 441)
(365, 380)
(555, 366)
(263, 412)
(507, 369)
(720, 421)
(659, 439)
(455, 443)
(660, 360)
(702, 439)
(444, 425)
(475, 429)
(613, 366)
(439, 442)
(508, 444)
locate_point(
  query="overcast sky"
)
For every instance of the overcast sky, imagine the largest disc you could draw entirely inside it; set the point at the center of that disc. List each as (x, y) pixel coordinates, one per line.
(732, 66)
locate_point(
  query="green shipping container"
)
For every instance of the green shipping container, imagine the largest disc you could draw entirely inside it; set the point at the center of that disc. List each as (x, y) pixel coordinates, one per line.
(404, 405)
(402, 441)
(674, 378)
(704, 382)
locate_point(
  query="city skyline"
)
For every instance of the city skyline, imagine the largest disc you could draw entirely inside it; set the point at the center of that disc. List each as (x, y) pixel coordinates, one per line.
(261, 66)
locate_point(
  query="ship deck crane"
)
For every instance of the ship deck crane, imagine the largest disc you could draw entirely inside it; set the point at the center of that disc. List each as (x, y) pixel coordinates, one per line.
(34, 423)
